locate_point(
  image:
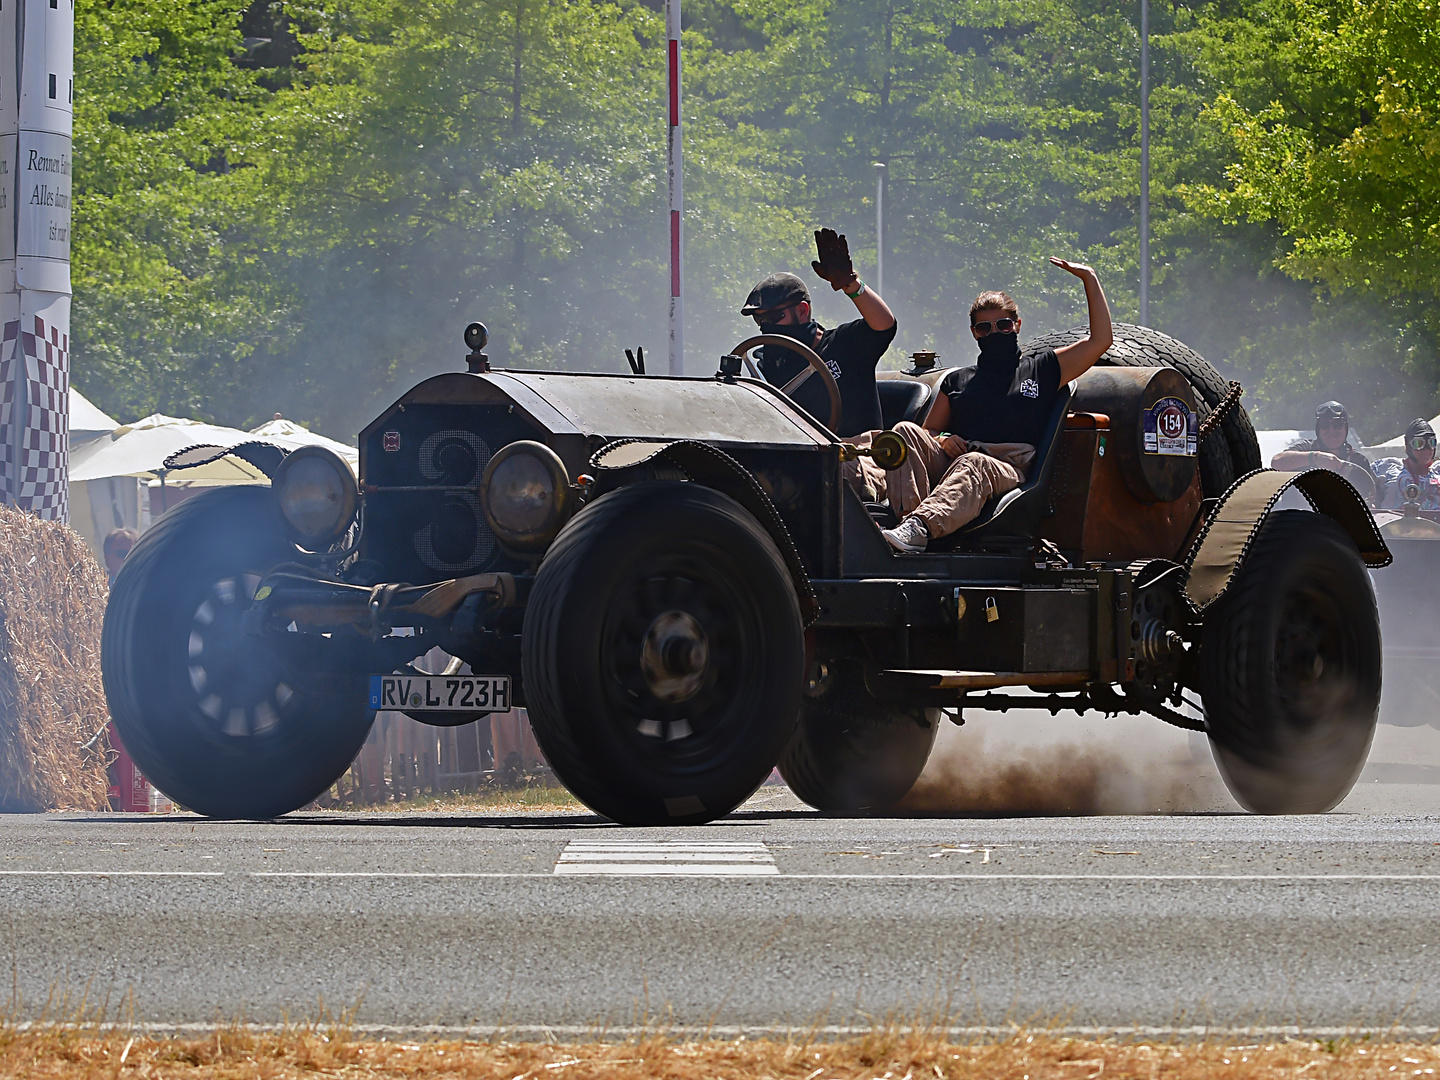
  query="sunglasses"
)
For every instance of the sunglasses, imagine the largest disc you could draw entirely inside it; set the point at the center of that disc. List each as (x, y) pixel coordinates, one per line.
(1000, 326)
(1421, 442)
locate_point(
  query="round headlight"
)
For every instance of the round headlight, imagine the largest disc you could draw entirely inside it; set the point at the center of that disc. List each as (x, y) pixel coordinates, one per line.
(526, 495)
(315, 490)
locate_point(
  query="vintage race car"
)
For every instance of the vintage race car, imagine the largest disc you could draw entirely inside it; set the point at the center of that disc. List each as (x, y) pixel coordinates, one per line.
(671, 575)
(1409, 598)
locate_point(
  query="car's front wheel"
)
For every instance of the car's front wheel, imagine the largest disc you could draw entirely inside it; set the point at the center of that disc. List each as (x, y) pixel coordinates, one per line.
(226, 722)
(663, 654)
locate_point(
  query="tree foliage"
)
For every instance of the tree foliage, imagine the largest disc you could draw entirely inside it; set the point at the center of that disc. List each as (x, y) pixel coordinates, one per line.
(308, 227)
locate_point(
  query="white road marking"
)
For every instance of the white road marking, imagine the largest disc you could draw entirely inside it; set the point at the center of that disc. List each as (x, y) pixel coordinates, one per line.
(668, 858)
(112, 873)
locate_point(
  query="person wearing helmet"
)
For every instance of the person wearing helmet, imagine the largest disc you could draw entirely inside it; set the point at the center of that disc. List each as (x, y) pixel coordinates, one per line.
(1330, 449)
(781, 305)
(1417, 467)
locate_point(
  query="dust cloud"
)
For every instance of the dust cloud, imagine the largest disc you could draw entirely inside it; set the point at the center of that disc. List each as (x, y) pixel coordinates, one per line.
(1032, 764)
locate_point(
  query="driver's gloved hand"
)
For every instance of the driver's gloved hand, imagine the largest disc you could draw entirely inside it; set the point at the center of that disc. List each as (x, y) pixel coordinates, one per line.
(834, 264)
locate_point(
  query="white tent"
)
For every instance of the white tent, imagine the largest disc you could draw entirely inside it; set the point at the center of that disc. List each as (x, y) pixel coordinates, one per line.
(292, 436)
(140, 450)
(86, 421)
(112, 476)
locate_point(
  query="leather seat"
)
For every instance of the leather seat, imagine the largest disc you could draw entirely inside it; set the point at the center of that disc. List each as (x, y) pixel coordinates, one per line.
(1016, 516)
(903, 399)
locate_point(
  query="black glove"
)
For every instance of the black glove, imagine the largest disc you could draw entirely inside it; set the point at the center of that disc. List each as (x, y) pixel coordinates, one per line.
(834, 264)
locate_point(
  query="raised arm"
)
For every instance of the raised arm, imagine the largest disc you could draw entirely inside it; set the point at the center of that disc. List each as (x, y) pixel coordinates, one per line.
(1080, 357)
(834, 266)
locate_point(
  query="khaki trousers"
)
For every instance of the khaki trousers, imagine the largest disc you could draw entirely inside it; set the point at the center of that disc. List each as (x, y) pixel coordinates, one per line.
(943, 492)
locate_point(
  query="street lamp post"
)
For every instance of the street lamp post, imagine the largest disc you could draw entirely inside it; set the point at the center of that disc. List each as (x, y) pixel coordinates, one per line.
(1144, 162)
(880, 227)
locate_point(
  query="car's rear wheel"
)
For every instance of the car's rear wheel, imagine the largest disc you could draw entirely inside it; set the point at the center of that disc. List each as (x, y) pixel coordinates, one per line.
(852, 754)
(226, 722)
(1290, 668)
(1229, 453)
(662, 654)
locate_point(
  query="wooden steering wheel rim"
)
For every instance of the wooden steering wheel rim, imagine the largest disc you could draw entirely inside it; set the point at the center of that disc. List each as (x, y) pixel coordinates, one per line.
(810, 356)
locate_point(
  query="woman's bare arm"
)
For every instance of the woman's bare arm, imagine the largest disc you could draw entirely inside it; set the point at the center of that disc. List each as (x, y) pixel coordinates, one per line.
(1080, 357)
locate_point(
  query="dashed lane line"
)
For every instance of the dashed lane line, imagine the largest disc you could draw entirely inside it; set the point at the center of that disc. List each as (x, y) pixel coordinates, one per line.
(666, 858)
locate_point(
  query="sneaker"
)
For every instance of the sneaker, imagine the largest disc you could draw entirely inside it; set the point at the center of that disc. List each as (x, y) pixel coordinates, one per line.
(909, 536)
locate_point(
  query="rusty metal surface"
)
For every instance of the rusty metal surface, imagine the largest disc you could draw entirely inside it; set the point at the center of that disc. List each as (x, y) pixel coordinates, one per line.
(1096, 513)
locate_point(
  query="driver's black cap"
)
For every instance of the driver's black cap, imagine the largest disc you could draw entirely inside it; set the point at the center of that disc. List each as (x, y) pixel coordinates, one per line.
(776, 291)
(1418, 426)
(1331, 410)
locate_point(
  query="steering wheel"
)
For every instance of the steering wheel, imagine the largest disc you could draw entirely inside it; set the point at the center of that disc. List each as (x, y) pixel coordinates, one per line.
(811, 357)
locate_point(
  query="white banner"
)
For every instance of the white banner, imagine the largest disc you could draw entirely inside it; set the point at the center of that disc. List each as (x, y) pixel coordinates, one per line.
(42, 212)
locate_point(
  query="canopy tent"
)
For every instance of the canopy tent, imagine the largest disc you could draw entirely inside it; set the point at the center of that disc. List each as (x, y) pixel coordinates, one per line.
(140, 449)
(86, 421)
(111, 475)
(292, 436)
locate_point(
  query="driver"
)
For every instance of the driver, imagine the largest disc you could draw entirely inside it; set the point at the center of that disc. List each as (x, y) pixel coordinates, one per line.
(781, 305)
(1330, 449)
(1418, 466)
(980, 435)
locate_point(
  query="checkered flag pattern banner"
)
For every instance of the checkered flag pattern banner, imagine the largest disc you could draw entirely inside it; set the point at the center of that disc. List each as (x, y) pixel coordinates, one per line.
(43, 487)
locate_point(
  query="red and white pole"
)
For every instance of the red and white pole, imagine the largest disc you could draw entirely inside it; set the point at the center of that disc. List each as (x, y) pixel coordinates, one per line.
(673, 168)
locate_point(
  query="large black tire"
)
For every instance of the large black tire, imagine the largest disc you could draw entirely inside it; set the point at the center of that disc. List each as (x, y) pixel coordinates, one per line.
(1226, 455)
(663, 654)
(225, 723)
(852, 754)
(1290, 668)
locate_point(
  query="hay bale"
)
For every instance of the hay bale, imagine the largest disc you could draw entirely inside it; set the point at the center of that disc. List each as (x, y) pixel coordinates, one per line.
(52, 703)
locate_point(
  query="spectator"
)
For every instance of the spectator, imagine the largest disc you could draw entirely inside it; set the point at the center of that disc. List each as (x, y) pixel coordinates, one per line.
(118, 543)
(1417, 467)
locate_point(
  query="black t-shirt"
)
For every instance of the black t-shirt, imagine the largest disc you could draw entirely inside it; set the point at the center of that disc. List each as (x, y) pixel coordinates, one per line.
(1345, 453)
(851, 351)
(986, 406)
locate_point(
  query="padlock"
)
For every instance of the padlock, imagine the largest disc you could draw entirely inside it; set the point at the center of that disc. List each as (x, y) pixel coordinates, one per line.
(992, 613)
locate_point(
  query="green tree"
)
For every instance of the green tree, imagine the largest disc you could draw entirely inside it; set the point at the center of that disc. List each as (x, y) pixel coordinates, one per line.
(172, 288)
(1340, 157)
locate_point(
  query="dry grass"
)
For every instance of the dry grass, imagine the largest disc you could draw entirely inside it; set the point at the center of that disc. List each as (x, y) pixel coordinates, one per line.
(542, 798)
(885, 1055)
(52, 705)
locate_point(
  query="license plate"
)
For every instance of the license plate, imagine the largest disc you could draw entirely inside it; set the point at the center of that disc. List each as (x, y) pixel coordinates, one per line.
(440, 693)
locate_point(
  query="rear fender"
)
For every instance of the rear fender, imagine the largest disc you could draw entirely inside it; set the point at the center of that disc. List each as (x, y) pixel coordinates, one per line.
(704, 464)
(1223, 543)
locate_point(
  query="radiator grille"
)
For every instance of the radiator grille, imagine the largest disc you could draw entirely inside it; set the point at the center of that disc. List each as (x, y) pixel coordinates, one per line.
(428, 536)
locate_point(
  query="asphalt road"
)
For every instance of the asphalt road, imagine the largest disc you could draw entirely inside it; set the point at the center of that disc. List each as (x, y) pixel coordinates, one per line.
(771, 919)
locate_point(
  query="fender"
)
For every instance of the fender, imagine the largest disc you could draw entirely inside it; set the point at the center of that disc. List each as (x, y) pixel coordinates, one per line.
(1226, 538)
(706, 465)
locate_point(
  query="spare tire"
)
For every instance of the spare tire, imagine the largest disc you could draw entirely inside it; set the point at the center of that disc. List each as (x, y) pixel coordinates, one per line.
(1228, 454)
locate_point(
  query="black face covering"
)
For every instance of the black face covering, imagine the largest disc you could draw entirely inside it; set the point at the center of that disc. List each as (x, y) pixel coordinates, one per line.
(999, 354)
(801, 332)
(779, 362)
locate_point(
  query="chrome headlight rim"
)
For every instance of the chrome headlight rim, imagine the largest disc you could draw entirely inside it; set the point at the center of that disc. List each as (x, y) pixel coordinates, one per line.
(290, 471)
(537, 538)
